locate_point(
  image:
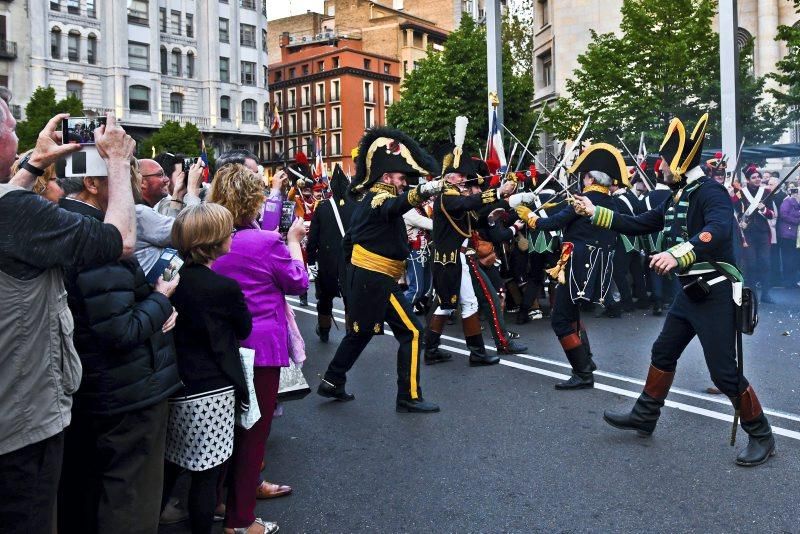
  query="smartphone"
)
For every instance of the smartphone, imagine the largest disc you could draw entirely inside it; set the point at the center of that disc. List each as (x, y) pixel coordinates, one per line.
(80, 130)
(187, 163)
(287, 216)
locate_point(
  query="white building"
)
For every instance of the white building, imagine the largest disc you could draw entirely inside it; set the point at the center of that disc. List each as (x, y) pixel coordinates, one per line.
(149, 61)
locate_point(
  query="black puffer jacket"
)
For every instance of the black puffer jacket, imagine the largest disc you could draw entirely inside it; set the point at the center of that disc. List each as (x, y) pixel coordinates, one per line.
(128, 362)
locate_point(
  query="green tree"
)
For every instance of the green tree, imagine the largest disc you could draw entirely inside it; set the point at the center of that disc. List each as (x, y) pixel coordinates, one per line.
(452, 82)
(517, 31)
(40, 109)
(174, 138)
(787, 96)
(664, 63)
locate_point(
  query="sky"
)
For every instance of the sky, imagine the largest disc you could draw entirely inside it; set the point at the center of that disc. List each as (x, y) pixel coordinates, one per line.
(277, 9)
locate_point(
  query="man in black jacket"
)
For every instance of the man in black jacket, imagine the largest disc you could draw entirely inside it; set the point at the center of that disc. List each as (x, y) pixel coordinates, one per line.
(113, 452)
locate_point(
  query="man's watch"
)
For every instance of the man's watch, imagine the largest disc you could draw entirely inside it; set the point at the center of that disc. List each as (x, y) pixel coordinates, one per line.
(26, 164)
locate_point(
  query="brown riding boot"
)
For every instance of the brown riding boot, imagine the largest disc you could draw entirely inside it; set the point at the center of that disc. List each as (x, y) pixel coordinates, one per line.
(644, 415)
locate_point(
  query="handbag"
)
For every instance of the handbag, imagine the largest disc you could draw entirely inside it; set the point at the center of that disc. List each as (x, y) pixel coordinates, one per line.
(293, 384)
(249, 417)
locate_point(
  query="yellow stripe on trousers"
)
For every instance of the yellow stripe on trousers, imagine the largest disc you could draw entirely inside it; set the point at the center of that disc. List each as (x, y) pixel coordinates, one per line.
(414, 343)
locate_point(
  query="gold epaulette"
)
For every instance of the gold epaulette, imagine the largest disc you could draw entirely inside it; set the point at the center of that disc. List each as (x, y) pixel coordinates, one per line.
(450, 189)
(382, 192)
(487, 197)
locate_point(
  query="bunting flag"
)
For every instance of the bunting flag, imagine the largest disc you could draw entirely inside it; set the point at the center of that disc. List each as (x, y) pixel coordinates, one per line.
(495, 155)
(204, 157)
(274, 119)
(319, 172)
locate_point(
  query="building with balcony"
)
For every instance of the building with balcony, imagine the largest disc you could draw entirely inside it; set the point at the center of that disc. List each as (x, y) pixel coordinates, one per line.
(329, 83)
(150, 61)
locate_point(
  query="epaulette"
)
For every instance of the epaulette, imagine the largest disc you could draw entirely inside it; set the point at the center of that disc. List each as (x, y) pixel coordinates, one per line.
(450, 189)
(382, 192)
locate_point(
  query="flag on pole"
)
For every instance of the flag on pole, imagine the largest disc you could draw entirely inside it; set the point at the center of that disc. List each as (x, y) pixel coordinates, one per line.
(495, 155)
(274, 119)
(204, 158)
(319, 172)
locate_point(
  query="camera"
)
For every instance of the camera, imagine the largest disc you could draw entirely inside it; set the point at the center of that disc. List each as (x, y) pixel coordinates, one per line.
(87, 161)
(187, 163)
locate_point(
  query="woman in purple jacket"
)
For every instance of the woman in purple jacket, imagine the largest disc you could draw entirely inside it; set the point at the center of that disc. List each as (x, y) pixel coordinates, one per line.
(787, 237)
(266, 270)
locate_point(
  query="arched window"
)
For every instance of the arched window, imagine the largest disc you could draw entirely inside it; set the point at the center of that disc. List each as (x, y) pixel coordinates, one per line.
(55, 43)
(190, 64)
(176, 103)
(744, 41)
(163, 60)
(75, 88)
(139, 99)
(225, 108)
(175, 62)
(91, 49)
(249, 111)
(74, 46)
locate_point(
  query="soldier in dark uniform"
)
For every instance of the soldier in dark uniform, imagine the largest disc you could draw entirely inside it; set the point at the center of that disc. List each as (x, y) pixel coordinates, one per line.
(754, 219)
(376, 248)
(698, 224)
(453, 221)
(628, 251)
(330, 222)
(585, 265)
(654, 243)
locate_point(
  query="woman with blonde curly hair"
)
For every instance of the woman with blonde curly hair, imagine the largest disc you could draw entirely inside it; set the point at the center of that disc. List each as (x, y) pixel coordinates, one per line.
(266, 270)
(46, 185)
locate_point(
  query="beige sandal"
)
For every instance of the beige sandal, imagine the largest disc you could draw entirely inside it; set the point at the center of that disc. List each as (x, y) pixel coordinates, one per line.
(269, 528)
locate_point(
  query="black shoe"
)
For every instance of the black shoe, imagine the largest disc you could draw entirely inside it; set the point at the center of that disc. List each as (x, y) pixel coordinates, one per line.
(575, 382)
(304, 299)
(512, 348)
(323, 333)
(416, 406)
(658, 310)
(479, 359)
(436, 356)
(760, 445)
(642, 418)
(510, 334)
(332, 391)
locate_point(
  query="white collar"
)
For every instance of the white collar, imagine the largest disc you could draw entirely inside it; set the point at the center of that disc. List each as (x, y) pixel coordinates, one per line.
(694, 174)
(662, 187)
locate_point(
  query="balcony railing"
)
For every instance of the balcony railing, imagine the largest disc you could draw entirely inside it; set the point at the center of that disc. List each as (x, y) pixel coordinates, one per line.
(200, 122)
(8, 49)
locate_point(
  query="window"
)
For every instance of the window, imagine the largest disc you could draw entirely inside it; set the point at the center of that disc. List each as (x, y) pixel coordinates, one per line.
(224, 70)
(321, 119)
(292, 147)
(164, 62)
(291, 73)
(162, 19)
(176, 103)
(74, 7)
(73, 46)
(75, 88)
(306, 98)
(189, 25)
(139, 12)
(292, 102)
(387, 69)
(305, 122)
(305, 70)
(264, 40)
(387, 95)
(405, 67)
(139, 99)
(138, 56)
(55, 5)
(91, 11)
(368, 117)
(265, 76)
(335, 62)
(545, 65)
(543, 11)
(320, 66)
(278, 75)
(367, 64)
(91, 49)
(190, 65)
(224, 31)
(278, 149)
(247, 35)
(225, 108)
(248, 73)
(369, 97)
(336, 144)
(293, 123)
(175, 22)
(249, 113)
(175, 62)
(55, 43)
(320, 93)
(336, 117)
(247, 4)
(278, 99)
(335, 90)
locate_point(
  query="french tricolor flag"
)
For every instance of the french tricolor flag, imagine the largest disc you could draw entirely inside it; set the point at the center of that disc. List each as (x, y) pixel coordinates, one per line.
(320, 173)
(495, 155)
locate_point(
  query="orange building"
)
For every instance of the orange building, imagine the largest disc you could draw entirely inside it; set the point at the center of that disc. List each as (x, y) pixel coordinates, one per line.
(327, 82)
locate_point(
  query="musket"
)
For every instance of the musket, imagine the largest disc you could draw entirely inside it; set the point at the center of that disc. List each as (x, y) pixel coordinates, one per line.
(645, 178)
(729, 179)
(745, 218)
(530, 138)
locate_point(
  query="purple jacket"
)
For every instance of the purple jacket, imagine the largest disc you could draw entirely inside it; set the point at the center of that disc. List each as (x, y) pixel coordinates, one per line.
(789, 219)
(260, 262)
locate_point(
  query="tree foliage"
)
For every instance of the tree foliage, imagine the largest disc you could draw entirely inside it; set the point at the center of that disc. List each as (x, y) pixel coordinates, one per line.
(453, 82)
(39, 110)
(663, 64)
(787, 95)
(174, 138)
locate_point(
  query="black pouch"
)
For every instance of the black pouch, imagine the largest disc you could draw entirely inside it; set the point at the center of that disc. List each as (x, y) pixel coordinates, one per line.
(697, 290)
(748, 312)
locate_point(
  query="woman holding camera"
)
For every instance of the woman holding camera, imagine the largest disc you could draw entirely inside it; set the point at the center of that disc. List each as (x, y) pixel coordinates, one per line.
(267, 270)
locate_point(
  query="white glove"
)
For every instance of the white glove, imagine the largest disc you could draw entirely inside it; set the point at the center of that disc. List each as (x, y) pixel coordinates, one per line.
(313, 270)
(521, 198)
(434, 187)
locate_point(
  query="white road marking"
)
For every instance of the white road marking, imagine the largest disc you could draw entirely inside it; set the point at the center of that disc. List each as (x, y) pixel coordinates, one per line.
(597, 385)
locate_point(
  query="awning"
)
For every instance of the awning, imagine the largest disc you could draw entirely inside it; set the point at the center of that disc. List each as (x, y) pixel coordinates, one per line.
(758, 153)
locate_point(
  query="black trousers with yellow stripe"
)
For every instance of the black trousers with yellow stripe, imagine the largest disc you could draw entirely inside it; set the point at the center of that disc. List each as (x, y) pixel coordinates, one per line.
(406, 329)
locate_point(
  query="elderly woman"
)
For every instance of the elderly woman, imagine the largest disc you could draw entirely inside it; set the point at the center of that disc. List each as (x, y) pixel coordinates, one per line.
(267, 271)
(46, 185)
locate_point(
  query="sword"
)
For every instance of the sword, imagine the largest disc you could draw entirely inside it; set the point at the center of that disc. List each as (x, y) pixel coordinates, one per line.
(567, 153)
(735, 170)
(645, 178)
(530, 138)
(764, 200)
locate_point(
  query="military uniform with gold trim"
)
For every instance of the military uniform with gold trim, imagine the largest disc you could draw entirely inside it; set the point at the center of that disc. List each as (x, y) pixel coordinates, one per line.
(376, 248)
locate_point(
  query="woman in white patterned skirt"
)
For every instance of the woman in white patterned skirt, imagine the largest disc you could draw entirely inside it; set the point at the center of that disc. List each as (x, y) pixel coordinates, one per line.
(212, 318)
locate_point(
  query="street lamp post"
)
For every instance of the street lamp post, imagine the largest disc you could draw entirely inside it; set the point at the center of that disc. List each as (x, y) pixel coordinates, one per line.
(729, 83)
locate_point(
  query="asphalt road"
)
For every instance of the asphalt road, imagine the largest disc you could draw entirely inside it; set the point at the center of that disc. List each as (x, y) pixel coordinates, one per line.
(508, 453)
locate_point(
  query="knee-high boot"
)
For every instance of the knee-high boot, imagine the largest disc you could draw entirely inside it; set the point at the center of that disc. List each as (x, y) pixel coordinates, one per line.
(581, 330)
(474, 339)
(324, 327)
(761, 442)
(433, 337)
(644, 415)
(578, 355)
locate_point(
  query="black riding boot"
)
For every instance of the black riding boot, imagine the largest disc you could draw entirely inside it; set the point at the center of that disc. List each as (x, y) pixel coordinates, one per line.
(474, 339)
(433, 337)
(645, 413)
(578, 356)
(761, 442)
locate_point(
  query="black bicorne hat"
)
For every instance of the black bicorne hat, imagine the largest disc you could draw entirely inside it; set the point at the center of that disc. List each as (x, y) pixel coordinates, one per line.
(683, 154)
(383, 150)
(604, 158)
(449, 161)
(339, 184)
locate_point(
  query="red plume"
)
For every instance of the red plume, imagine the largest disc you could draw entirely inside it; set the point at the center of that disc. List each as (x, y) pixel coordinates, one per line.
(717, 156)
(301, 158)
